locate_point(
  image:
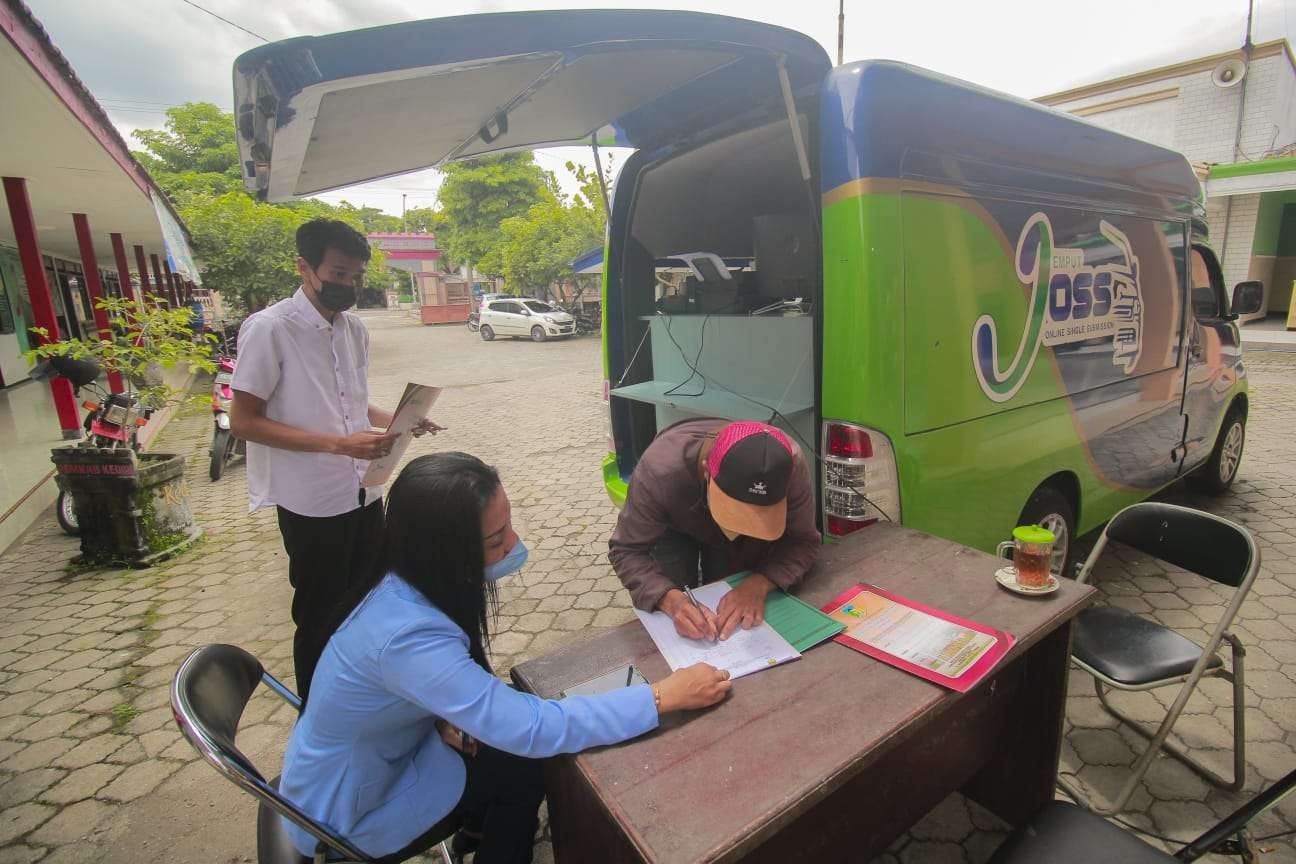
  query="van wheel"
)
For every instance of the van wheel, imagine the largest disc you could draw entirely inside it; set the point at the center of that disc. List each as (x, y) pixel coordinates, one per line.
(1217, 475)
(537, 334)
(487, 334)
(1050, 509)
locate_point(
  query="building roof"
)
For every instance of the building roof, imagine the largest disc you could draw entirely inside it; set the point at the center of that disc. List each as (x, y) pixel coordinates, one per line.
(1161, 73)
(72, 156)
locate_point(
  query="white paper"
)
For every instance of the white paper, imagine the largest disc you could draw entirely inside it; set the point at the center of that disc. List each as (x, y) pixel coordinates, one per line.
(414, 405)
(743, 653)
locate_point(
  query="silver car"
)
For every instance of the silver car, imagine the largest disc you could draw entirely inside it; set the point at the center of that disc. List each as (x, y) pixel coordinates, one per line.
(518, 317)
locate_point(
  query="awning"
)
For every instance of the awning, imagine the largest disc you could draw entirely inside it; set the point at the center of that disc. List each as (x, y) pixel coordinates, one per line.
(1248, 178)
(74, 161)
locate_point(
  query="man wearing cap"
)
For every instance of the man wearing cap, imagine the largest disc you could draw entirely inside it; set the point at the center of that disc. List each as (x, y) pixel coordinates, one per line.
(710, 498)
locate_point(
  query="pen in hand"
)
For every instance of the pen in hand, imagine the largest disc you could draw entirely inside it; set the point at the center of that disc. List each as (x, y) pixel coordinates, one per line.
(688, 592)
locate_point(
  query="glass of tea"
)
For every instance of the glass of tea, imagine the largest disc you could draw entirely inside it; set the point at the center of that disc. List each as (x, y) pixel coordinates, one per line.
(1032, 554)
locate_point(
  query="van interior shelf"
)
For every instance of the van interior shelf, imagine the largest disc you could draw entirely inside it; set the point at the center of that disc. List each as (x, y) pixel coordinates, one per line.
(713, 401)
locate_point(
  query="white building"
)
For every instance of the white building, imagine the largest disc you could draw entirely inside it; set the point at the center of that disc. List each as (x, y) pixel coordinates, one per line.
(1237, 124)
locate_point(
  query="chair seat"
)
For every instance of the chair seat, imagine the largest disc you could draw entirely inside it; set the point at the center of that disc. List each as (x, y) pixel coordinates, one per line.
(1132, 650)
(1062, 833)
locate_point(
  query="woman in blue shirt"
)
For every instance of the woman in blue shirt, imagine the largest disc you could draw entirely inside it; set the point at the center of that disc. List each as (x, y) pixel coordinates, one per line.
(378, 755)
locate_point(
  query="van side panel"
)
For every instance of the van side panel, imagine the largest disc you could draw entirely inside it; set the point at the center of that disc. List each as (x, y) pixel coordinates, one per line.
(1004, 298)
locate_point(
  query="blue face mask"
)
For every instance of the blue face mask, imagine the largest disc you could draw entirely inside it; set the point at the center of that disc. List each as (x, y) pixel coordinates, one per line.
(510, 563)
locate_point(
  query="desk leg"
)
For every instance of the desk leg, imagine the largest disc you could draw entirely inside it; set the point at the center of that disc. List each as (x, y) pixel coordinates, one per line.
(1020, 779)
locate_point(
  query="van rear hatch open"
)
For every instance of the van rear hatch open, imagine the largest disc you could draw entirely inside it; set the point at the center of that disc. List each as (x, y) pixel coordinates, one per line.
(319, 113)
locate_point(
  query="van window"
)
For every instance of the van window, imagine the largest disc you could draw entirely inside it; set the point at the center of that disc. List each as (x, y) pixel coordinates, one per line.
(1208, 300)
(507, 307)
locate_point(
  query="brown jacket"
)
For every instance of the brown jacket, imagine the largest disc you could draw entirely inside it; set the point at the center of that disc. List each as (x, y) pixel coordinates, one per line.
(667, 492)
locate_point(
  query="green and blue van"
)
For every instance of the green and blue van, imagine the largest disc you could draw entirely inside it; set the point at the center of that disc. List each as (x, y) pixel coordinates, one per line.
(976, 311)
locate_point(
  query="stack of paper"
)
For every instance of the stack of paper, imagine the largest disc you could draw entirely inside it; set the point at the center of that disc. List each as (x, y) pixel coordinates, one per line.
(744, 652)
(414, 405)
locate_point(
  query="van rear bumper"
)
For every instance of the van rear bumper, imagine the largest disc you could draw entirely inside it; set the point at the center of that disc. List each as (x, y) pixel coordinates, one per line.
(616, 487)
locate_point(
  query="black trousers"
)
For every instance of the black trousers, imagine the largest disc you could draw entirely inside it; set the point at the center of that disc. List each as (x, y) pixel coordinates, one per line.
(500, 801)
(685, 561)
(325, 555)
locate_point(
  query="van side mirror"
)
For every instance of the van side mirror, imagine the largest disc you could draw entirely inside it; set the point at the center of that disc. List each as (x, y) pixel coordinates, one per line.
(1248, 298)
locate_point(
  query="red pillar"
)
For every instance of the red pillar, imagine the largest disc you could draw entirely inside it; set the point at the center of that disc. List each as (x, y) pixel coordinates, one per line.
(24, 226)
(160, 287)
(171, 283)
(90, 268)
(123, 266)
(141, 264)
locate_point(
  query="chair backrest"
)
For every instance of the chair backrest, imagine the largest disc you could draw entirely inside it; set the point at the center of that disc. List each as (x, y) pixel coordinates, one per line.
(210, 690)
(208, 695)
(1200, 543)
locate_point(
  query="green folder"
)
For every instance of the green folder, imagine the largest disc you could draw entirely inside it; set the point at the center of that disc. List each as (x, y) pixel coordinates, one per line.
(802, 625)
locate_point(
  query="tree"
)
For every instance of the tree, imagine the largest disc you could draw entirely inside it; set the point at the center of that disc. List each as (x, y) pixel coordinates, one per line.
(247, 249)
(196, 155)
(537, 249)
(478, 196)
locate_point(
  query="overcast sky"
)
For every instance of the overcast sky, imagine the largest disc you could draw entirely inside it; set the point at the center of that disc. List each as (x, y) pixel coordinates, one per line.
(139, 56)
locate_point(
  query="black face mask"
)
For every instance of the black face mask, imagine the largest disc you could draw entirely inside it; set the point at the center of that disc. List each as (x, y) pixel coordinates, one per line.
(335, 296)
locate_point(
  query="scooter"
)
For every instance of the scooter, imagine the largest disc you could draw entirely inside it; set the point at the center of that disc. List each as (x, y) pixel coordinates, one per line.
(224, 445)
(114, 420)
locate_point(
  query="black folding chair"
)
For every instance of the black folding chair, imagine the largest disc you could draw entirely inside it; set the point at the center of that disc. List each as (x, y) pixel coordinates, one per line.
(1062, 833)
(210, 691)
(1124, 651)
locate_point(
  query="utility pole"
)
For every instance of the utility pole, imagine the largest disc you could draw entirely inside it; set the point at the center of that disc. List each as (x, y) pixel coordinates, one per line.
(402, 212)
(841, 30)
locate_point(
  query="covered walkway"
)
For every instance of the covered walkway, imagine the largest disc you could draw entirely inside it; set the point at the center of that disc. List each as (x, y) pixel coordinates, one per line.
(82, 220)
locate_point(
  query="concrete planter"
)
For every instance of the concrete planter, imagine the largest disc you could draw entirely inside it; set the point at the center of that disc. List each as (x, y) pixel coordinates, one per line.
(133, 509)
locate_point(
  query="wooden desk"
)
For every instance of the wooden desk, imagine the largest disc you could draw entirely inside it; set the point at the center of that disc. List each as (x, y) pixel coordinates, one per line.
(831, 757)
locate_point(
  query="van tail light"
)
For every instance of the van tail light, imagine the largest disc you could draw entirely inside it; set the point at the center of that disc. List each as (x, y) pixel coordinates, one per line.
(607, 415)
(860, 480)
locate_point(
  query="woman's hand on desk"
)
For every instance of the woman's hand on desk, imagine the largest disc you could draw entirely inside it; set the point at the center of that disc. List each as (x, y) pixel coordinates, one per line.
(696, 686)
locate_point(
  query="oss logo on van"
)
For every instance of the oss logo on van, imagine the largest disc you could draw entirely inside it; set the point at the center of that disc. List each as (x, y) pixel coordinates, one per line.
(1070, 302)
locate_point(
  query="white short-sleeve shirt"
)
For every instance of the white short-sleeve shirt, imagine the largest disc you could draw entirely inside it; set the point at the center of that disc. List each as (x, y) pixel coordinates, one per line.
(312, 375)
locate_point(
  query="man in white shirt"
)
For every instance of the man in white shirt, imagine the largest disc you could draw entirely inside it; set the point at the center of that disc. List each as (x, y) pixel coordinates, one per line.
(301, 402)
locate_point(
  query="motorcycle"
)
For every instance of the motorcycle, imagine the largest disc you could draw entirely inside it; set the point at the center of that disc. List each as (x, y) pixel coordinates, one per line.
(224, 445)
(113, 420)
(474, 321)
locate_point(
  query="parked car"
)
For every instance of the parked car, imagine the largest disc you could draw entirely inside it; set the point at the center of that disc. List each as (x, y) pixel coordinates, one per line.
(524, 316)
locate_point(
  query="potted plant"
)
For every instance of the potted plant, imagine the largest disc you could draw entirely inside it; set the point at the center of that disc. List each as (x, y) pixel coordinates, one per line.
(132, 508)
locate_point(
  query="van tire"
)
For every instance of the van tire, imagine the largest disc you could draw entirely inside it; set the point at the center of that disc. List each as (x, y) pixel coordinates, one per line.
(1049, 507)
(1220, 470)
(487, 334)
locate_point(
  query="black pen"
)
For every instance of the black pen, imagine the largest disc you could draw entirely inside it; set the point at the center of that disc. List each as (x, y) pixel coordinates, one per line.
(629, 675)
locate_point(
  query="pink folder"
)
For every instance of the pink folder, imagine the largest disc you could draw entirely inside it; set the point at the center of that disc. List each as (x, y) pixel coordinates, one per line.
(963, 682)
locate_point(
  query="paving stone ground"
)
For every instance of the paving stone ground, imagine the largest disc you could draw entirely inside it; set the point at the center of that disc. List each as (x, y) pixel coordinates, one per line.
(93, 769)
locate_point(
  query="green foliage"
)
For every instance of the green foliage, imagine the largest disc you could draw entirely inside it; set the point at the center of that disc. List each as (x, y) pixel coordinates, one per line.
(195, 155)
(538, 248)
(145, 336)
(478, 196)
(247, 249)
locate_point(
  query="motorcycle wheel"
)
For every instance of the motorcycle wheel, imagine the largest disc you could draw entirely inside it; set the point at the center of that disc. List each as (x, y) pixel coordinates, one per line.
(222, 445)
(474, 326)
(66, 513)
